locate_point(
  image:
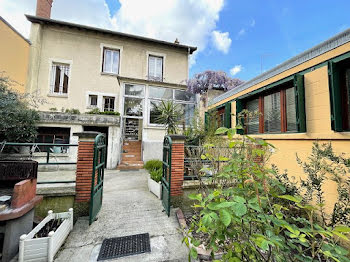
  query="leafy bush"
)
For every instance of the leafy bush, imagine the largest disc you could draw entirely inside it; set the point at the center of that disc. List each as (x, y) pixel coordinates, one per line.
(54, 109)
(97, 111)
(251, 213)
(156, 174)
(153, 164)
(73, 111)
(17, 120)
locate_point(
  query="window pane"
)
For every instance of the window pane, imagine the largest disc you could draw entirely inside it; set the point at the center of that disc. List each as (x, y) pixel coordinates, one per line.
(153, 113)
(290, 110)
(184, 95)
(188, 112)
(133, 106)
(107, 66)
(159, 92)
(93, 100)
(134, 90)
(108, 104)
(155, 68)
(115, 62)
(159, 67)
(272, 113)
(151, 66)
(253, 122)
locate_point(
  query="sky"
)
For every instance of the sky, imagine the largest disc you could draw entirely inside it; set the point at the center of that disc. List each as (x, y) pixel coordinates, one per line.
(243, 38)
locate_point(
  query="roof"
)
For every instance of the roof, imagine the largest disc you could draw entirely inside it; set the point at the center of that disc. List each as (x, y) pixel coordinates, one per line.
(14, 30)
(41, 20)
(332, 43)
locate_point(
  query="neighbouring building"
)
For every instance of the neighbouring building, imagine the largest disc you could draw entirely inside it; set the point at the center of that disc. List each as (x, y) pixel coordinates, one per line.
(85, 68)
(305, 99)
(14, 53)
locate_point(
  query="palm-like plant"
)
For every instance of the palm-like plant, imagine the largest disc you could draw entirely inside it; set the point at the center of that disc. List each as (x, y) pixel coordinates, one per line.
(169, 114)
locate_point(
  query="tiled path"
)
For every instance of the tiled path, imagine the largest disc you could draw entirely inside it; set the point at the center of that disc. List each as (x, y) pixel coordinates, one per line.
(128, 208)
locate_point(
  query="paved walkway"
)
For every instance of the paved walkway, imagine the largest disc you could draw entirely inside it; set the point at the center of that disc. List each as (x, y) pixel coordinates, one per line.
(128, 208)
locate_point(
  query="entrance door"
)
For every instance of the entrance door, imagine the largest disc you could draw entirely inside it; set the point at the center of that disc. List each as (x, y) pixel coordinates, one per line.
(132, 129)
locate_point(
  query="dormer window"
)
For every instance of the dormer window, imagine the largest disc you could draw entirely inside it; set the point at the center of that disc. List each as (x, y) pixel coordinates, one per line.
(155, 68)
(110, 61)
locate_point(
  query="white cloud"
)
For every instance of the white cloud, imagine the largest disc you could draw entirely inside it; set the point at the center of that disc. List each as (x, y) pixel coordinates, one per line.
(190, 21)
(252, 23)
(235, 70)
(241, 32)
(222, 41)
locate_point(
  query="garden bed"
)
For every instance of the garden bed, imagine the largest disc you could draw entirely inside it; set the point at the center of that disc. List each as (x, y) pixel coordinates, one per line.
(43, 242)
(203, 254)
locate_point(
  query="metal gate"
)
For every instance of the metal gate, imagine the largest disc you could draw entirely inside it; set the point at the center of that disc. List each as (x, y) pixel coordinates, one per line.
(166, 177)
(97, 176)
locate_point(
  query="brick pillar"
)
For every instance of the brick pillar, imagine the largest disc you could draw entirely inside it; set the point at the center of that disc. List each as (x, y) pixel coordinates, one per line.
(177, 165)
(85, 159)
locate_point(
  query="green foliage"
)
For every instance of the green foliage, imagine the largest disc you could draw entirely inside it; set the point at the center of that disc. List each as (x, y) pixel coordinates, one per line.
(169, 114)
(17, 120)
(153, 164)
(156, 174)
(195, 133)
(249, 212)
(73, 111)
(97, 111)
(155, 168)
(54, 109)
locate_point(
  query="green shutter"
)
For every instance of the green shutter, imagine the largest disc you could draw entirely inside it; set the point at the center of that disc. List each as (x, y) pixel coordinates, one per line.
(227, 115)
(335, 96)
(300, 102)
(239, 108)
(206, 120)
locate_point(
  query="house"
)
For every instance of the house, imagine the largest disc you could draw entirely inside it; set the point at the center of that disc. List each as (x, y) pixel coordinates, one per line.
(14, 53)
(86, 68)
(304, 99)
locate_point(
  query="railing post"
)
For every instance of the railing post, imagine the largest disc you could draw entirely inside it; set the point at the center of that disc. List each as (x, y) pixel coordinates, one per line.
(84, 172)
(177, 166)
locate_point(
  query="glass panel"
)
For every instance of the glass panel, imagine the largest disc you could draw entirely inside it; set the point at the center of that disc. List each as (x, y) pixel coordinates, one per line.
(93, 100)
(153, 114)
(291, 110)
(108, 104)
(272, 113)
(159, 92)
(347, 99)
(184, 95)
(134, 90)
(188, 112)
(159, 68)
(253, 122)
(115, 62)
(151, 66)
(133, 106)
(107, 67)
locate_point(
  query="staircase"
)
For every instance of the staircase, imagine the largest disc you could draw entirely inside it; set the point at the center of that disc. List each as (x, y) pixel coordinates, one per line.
(131, 156)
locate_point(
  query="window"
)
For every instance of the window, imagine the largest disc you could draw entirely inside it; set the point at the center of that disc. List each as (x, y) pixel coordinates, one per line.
(108, 103)
(339, 80)
(184, 100)
(59, 78)
(110, 61)
(278, 111)
(93, 100)
(133, 100)
(155, 68)
(53, 135)
(221, 117)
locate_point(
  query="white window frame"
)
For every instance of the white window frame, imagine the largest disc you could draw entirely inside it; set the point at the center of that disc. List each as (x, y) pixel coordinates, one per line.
(137, 97)
(103, 105)
(51, 62)
(162, 55)
(100, 100)
(89, 103)
(104, 46)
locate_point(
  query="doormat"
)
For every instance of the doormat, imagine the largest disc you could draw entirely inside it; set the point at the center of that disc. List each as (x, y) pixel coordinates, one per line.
(124, 246)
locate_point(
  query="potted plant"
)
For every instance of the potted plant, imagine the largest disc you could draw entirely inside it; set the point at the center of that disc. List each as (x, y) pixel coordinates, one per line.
(43, 242)
(155, 170)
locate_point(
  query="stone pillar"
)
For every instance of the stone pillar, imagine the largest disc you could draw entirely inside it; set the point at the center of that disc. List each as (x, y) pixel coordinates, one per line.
(84, 171)
(177, 165)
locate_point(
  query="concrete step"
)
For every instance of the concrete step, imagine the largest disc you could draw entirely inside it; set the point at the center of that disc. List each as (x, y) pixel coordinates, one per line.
(131, 155)
(130, 166)
(132, 162)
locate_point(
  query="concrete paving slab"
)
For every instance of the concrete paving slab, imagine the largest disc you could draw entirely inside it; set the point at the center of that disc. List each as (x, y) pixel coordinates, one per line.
(128, 208)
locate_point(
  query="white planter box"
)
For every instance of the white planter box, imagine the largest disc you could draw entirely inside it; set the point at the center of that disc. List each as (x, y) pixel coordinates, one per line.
(44, 249)
(154, 187)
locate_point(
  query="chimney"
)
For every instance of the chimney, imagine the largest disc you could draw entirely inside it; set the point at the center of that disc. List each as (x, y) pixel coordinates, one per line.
(177, 41)
(43, 8)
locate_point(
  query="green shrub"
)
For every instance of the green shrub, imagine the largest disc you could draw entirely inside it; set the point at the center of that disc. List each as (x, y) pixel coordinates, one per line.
(97, 111)
(156, 174)
(153, 164)
(54, 109)
(94, 111)
(73, 111)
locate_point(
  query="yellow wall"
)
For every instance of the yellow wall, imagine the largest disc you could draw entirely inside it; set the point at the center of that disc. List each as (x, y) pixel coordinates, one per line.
(318, 122)
(14, 55)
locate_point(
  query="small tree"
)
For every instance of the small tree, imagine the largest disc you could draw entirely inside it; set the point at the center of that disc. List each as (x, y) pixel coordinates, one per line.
(170, 115)
(201, 83)
(17, 120)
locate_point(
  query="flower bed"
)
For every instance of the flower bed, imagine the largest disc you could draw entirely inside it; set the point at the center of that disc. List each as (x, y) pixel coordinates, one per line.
(43, 242)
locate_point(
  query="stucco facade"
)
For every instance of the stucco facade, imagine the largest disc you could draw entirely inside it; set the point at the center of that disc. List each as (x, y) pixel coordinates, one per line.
(317, 112)
(14, 53)
(81, 50)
